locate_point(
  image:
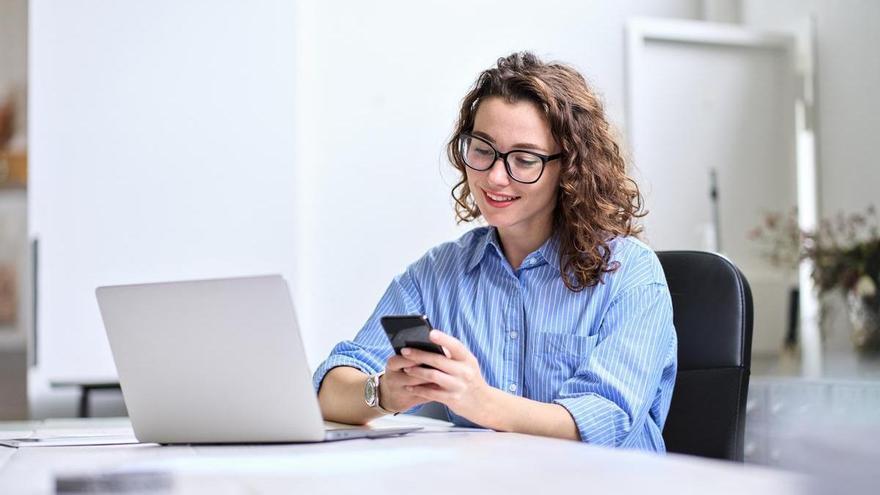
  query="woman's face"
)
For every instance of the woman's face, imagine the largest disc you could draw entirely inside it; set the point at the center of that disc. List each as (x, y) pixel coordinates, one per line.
(515, 208)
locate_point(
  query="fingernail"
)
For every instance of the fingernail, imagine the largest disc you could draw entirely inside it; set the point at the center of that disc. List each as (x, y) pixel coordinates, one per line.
(405, 351)
(405, 370)
(409, 388)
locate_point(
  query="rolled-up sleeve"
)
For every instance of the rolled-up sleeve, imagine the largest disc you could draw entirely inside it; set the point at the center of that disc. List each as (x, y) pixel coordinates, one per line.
(629, 375)
(370, 349)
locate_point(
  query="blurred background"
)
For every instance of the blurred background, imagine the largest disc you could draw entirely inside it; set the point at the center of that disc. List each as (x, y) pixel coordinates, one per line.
(150, 141)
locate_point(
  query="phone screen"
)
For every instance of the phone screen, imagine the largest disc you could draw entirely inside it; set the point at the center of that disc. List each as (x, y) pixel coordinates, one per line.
(409, 331)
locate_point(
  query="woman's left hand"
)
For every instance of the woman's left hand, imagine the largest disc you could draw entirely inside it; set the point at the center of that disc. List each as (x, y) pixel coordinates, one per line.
(456, 380)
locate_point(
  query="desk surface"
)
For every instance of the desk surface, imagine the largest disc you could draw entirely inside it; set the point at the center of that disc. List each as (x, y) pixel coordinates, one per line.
(423, 463)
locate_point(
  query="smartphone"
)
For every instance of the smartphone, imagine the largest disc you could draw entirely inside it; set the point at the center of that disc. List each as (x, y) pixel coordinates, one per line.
(409, 331)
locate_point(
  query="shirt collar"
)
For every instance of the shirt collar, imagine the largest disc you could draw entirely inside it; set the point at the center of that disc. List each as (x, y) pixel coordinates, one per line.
(490, 238)
(548, 252)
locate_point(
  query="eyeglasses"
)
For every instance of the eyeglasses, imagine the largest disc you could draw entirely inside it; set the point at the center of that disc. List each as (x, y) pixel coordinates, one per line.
(522, 166)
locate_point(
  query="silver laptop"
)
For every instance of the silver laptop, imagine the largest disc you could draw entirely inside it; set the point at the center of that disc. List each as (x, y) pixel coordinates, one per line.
(216, 361)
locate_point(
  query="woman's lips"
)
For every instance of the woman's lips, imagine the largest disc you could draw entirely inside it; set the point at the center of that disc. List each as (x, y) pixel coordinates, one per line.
(499, 200)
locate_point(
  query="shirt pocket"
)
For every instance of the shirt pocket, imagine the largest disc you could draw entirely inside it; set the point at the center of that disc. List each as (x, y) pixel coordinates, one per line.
(559, 355)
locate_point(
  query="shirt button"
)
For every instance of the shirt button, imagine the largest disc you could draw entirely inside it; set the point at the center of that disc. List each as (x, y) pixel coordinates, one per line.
(513, 334)
(512, 387)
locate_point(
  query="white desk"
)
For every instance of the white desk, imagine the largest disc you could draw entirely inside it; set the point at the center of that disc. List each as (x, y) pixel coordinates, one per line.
(423, 463)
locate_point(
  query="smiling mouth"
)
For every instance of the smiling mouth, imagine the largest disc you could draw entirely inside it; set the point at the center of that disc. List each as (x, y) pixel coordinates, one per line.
(495, 199)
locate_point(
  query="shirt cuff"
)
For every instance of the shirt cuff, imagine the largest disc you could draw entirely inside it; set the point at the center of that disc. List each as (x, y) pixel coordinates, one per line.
(334, 361)
(598, 420)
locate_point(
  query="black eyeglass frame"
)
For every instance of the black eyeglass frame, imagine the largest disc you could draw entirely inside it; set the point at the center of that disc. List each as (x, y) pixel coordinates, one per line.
(544, 158)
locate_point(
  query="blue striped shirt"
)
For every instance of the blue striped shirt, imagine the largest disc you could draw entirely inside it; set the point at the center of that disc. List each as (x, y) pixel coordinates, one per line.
(607, 354)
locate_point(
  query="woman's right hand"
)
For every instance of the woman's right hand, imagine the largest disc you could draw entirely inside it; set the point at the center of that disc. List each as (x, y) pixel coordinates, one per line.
(392, 386)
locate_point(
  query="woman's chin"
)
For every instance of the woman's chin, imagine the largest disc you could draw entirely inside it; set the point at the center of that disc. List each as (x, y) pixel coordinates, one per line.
(499, 221)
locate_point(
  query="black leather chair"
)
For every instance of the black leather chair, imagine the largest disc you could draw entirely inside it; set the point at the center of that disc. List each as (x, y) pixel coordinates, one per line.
(712, 306)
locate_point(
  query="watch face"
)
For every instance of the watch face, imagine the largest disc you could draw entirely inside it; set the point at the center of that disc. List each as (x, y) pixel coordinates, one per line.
(370, 392)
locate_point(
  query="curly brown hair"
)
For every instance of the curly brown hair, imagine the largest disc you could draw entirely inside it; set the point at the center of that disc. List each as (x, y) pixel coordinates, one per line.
(597, 200)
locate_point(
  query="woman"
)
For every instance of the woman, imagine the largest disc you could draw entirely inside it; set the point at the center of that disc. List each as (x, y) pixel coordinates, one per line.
(556, 320)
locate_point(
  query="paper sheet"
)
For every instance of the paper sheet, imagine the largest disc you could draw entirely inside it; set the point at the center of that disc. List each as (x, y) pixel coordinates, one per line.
(68, 441)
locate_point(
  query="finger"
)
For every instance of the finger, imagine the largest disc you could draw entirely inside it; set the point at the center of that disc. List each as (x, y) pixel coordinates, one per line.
(396, 363)
(433, 359)
(400, 379)
(429, 392)
(456, 349)
(437, 377)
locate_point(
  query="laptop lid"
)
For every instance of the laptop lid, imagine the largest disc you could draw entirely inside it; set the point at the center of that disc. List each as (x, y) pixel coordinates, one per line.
(211, 361)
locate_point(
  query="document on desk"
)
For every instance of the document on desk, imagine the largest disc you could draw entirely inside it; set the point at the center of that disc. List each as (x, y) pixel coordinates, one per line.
(69, 441)
(68, 437)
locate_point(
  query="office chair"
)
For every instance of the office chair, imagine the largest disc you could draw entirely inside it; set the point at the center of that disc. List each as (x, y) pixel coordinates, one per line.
(712, 310)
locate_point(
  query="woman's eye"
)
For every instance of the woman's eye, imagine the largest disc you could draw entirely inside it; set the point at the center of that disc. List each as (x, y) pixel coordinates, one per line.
(484, 151)
(526, 161)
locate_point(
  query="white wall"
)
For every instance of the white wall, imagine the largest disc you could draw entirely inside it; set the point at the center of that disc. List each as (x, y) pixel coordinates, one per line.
(162, 147)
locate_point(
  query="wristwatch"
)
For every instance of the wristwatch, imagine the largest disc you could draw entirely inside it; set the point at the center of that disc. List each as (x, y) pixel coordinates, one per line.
(371, 394)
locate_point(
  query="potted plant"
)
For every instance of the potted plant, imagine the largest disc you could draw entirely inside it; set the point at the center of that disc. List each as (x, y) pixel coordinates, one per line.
(845, 253)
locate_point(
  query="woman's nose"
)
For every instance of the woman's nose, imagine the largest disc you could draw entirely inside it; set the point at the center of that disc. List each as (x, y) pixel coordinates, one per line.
(498, 172)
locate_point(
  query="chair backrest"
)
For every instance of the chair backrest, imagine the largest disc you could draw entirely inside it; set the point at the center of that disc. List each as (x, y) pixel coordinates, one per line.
(712, 306)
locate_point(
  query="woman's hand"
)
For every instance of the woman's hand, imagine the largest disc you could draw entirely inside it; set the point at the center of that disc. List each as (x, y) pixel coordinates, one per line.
(456, 380)
(393, 394)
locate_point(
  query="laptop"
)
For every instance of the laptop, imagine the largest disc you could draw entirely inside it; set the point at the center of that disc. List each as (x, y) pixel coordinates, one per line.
(216, 361)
